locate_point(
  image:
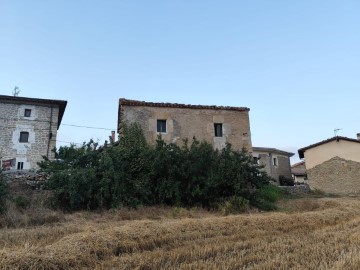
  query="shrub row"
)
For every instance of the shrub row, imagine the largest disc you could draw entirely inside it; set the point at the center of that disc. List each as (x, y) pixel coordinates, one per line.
(135, 173)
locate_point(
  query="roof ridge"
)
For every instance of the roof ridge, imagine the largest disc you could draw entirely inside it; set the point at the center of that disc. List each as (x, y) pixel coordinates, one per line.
(131, 102)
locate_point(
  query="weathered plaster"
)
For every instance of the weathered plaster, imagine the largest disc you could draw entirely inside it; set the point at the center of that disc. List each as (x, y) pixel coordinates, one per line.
(186, 123)
(20, 147)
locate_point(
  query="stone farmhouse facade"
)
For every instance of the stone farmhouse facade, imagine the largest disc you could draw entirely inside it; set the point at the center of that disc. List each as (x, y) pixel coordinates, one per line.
(333, 165)
(28, 129)
(276, 162)
(217, 125)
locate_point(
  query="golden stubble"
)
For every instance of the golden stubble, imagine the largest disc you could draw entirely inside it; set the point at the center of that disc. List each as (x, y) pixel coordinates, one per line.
(307, 234)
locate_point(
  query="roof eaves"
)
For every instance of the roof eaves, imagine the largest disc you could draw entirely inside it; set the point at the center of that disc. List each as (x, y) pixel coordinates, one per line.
(273, 150)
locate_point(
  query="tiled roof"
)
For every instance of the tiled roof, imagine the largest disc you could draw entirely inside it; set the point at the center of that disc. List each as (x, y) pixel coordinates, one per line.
(298, 171)
(338, 138)
(24, 100)
(301, 163)
(129, 102)
(272, 150)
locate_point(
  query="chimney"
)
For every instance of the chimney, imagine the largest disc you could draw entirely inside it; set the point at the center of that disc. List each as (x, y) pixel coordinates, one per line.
(113, 136)
(358, 136)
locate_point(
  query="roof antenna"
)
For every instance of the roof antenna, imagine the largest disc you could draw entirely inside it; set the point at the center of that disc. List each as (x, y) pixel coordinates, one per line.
(336, 131)
(16, 91)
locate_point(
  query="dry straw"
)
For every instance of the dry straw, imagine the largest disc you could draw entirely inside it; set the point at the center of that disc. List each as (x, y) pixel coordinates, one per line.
(315, 234)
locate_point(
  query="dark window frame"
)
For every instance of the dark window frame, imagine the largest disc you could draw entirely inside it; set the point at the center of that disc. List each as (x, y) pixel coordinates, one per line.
(20, 165)
(24, 137)
(275, 161)
(161, 126)
(218, 130)
(27, 113)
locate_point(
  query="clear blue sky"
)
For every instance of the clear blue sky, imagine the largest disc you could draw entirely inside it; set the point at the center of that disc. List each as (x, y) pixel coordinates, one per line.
(295, 64)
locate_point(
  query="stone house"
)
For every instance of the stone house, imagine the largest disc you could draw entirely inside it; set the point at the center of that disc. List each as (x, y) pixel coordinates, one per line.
(298, 172)
(28, 129)
(217, 125)
(333, 165)
(276, 162)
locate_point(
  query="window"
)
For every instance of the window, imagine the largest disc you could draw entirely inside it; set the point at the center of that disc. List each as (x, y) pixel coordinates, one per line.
(24, 137)
(275, 161)
(218, 130)
(161, 126)
(27, 113)
(256, 160)
(20, 165)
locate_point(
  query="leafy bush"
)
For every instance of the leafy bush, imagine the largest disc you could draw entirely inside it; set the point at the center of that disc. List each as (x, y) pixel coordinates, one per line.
(234, 205)
(284, 181)
(4, 190)
(270, 193)
(22, 202)
(265, 197)
(134, 173)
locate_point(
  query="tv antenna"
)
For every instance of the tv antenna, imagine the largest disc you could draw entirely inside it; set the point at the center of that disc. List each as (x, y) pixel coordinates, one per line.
(16, 91)
(336, 131)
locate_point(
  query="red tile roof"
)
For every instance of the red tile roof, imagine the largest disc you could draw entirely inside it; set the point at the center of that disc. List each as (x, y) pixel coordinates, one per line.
(301, 163)
(129, 102)
(338, 138)
(298, 171)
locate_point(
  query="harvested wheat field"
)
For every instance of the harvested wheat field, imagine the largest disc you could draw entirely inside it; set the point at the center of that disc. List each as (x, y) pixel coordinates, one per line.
(308, 234)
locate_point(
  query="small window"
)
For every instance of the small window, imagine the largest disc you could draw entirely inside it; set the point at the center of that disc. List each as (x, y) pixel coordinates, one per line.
(161, 126)
(20, 165)
(256, 160)
(218, 130)
(275, 161)
(24, 137)
(27, 113)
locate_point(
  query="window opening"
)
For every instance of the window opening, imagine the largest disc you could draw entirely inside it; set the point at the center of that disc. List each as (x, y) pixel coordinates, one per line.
(24, 137)
(161, 126)
(275, 161)
(20, 165)
(27, 113)
(218, 130)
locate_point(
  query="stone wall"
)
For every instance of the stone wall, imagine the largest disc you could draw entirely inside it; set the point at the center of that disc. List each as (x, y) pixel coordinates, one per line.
(297, 189)
(30, 178)
(185, 123)
(337, 176)
(39, 125)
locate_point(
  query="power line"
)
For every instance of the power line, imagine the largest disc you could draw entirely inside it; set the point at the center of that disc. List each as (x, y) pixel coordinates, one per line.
(69, 142)
(45, 121)
(86, 127)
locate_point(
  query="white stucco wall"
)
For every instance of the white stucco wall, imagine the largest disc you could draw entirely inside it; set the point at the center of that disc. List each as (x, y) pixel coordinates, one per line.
(344, 149)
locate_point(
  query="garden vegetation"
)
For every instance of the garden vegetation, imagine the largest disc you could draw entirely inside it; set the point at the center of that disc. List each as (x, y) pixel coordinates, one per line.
(134, 173)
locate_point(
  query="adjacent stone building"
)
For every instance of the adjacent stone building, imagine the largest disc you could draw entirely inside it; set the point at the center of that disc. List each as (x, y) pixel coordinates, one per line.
(333, 165)
(217, 125)
(28, 129)
(276, 162)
